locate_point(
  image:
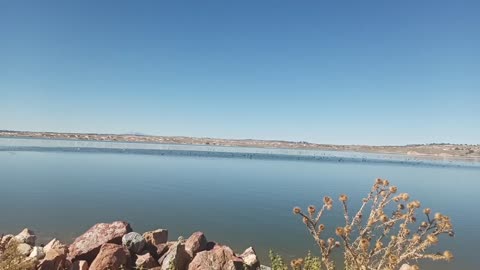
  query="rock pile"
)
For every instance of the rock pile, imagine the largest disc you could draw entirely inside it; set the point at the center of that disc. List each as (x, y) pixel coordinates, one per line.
(114, 246)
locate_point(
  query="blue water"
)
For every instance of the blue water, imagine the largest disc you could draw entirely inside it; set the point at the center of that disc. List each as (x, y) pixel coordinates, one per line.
(237, 200)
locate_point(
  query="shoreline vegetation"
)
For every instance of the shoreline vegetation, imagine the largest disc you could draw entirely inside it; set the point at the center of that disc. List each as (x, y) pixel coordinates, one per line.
(419, 151)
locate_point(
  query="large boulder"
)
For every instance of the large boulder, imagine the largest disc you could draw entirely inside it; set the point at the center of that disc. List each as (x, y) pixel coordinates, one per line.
(26, 236)
(24, 249)
(175, 257)
(111, 257)
(250, 259)
(55, 259)
(156, 237)
(134, 242)
(55, 244)
(37, 253)
(218, 258)
(87, 246)
(79, 265)
(195, 243)
(145, 261)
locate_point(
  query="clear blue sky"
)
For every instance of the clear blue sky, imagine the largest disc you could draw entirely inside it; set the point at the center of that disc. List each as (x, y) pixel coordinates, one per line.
(344, 72)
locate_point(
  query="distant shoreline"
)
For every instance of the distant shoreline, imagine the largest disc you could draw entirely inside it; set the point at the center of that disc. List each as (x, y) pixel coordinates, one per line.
(427, 151)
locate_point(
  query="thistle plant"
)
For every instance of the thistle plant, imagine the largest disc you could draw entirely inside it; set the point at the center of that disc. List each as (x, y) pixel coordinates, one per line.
(383, 237)
(12, 259)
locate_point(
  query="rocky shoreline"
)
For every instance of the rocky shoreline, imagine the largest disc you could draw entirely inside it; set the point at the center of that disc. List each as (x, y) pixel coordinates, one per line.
(115, 246)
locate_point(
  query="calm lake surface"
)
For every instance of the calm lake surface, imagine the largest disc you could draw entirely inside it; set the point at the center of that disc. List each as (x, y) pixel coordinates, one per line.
(61, 188)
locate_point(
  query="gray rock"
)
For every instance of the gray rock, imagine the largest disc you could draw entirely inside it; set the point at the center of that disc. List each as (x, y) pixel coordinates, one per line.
(26, 236)
(134, 242)
(37, 252)
(24, 249)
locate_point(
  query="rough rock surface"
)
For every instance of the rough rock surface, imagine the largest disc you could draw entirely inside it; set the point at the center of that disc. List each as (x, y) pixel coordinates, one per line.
(6, 239)
(26, 236)
(146, 261)
(79, 265)
(195, 243)
(249, 258)
(111, 257)
(55, 244)
(176, 256)
(158, 250)
(55, 259)
(87, 246)
(156, 237)
(24, 249)
(155, 242)
(134, 242)
(219, 258)
(37, 252)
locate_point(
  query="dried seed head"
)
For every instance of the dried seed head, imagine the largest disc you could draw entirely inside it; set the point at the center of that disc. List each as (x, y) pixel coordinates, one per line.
(412, 219)
(424, 224)
(401, 206)
(386, 183)
(305, 220)
(378, 181)
(448, 255)
(343, 198)
(297, 263)
(405, 196)
(416, 238)
(438, 216)
(384, 218)
(393, 189)
(416, 204)
(322, 242)
(321, 228)
(339, 231)
(427, 211)
(311, 209)
(393, 259)
(433, 239)
(383, 193)
(337, 244)
(331, 241)
(364, 243)
(378, 245)
(327, 200)
(297, 210)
